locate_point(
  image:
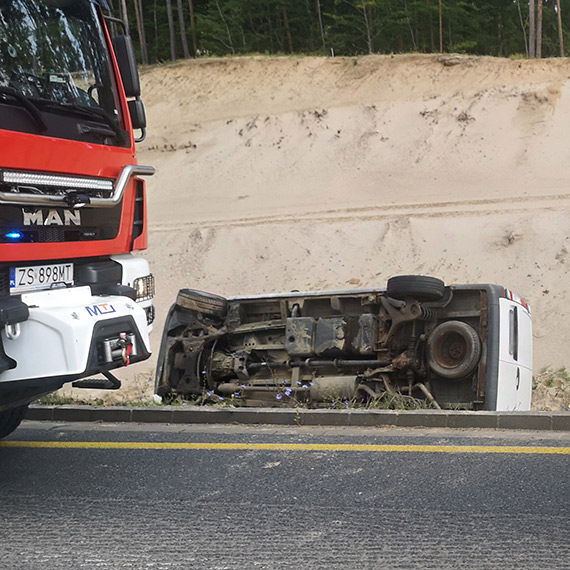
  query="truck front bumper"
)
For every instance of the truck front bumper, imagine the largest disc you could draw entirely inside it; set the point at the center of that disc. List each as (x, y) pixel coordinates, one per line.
(69, 334)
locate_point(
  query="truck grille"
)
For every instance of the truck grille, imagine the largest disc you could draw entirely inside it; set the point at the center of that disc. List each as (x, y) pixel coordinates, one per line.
(54, 234)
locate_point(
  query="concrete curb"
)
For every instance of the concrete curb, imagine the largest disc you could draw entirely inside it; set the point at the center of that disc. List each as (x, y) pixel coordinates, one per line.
(542, 421)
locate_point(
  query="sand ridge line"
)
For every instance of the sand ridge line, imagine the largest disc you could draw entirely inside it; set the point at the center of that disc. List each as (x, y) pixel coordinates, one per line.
(472, 208)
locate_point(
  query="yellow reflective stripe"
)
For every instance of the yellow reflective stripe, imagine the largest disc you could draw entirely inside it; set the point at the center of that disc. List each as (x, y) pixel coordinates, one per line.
(290, 447)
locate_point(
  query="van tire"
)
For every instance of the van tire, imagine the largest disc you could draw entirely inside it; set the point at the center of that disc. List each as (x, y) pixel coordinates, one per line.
(11, 419)
(202, 302)
(453, 350)
(419, 287)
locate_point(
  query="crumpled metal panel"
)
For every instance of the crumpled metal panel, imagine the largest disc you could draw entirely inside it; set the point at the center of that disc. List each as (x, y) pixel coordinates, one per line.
(299, 336)
(366, 336)
(331, 336)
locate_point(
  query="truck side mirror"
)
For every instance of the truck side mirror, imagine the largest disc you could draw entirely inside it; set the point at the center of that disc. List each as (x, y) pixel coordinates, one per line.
(138, 116)
(125, 53)
(127, 62)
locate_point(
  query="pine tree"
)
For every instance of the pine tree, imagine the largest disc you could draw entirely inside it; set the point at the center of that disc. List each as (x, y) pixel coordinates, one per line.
(171, 29)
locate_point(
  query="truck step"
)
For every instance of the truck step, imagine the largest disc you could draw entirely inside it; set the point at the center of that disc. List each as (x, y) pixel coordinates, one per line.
(110, 382)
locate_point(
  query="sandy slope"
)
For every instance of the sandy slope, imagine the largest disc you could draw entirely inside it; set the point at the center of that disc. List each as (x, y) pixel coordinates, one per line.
(285, 173)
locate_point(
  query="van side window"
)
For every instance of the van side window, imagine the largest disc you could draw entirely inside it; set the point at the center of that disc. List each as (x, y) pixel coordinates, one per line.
(514, 333)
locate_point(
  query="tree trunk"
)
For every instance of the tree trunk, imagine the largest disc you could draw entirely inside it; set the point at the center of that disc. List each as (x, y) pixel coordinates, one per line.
(440, 28)
(253, 30)
(182, 27)
(270, 26)
(124, 14)
(287, 30)
(171, 30)
(193, 27)
(560, 34)
(431, 36)
(532, 29)
(155, 32)
(231, 43)
(368, 30)
(140, 29)
(408, 18)
(320, 18)
(539, 30)
(523, 27)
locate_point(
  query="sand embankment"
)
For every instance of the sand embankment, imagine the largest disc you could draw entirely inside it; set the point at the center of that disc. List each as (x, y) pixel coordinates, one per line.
(302, 173)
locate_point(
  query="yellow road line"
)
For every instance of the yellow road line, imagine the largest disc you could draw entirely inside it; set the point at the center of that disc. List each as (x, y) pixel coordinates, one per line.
(291, 447)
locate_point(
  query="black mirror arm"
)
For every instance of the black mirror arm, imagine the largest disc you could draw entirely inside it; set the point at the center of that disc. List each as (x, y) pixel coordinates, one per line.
(142, 136)
(116, 21)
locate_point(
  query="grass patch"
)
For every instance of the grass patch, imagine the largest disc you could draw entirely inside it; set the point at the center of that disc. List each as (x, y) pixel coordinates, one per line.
(551, 389)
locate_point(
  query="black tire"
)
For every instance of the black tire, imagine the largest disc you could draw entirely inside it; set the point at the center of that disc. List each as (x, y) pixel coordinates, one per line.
(420, 288)
(202, 302)
(11, 419)
(453, 350)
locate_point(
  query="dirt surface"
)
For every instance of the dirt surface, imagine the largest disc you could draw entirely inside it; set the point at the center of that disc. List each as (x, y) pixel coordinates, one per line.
(313, 173)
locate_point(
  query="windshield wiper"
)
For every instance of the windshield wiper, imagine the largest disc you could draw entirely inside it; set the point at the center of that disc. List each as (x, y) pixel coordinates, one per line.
(94, 113)
(27, 104)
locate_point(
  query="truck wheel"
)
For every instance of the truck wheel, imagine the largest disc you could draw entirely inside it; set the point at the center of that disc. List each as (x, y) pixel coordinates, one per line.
(453, 350)
(423, 289)
(202, 302)
(10, 420)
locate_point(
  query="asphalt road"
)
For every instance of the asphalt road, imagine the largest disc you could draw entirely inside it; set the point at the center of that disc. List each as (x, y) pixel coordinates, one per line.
(219, 497)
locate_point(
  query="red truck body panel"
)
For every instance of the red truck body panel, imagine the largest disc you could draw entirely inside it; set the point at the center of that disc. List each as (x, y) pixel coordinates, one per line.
(23, 151)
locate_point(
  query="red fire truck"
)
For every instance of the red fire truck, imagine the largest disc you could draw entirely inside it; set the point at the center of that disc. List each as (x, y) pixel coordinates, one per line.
(74, 301)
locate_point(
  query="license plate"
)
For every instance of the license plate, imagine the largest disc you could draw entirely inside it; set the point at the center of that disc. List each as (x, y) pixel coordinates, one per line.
(37, 277)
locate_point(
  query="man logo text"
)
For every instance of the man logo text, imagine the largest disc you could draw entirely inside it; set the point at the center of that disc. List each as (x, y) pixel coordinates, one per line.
(52, 218)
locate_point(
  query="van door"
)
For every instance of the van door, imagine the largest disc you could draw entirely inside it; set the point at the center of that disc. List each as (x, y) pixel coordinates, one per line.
(514, 386)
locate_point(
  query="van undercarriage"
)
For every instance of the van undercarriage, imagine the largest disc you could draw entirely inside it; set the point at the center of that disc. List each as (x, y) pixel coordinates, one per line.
(417, 343)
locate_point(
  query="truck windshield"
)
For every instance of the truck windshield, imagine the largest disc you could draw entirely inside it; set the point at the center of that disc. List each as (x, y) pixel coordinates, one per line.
(53, 52)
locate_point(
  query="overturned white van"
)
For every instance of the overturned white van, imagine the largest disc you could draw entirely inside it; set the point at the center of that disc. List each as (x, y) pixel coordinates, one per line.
(415, 343)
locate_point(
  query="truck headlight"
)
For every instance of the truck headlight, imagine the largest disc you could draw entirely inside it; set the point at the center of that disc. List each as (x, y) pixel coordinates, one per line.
(144, 286)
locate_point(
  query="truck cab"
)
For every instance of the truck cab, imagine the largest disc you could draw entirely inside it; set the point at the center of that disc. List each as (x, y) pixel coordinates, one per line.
(74, 300)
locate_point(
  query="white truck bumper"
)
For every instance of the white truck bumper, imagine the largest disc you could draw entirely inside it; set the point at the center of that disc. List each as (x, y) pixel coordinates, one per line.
(71, 333)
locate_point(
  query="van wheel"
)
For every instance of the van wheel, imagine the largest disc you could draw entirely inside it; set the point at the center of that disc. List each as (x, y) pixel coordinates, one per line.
(453, 349)
(202, 302)
(11, 419)
(423, 289)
